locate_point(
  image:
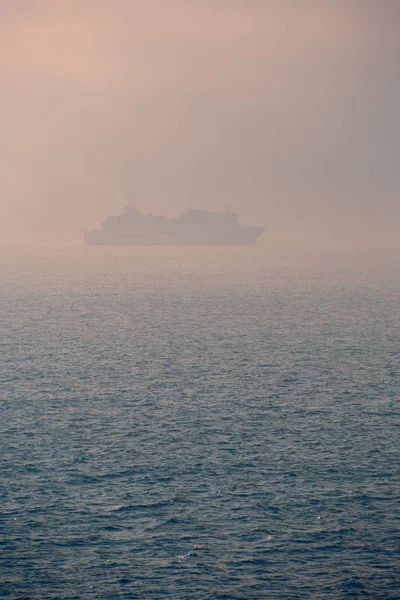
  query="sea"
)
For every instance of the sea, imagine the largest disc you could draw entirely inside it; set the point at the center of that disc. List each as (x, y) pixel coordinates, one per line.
(199, 423)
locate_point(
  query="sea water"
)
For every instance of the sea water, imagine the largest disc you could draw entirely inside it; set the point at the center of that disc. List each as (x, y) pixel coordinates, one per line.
(199, 423)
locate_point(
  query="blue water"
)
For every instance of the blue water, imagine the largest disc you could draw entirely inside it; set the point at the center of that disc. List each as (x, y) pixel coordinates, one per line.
(199, 424)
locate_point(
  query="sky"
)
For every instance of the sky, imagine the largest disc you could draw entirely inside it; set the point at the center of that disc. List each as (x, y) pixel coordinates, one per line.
(287, 110)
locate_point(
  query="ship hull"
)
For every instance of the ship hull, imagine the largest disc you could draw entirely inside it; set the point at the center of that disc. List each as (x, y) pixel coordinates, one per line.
(243, 237)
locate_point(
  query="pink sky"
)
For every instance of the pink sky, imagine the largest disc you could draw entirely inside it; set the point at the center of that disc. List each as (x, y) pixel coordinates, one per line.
(286, 110)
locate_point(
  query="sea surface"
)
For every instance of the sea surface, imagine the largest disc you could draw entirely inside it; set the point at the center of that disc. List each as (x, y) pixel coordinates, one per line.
(199, 423)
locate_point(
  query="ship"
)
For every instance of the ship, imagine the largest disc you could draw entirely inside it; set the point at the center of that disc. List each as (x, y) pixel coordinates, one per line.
(195, 227)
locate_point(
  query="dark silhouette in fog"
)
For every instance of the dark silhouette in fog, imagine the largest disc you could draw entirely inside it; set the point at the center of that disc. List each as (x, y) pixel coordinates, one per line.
(196, 227)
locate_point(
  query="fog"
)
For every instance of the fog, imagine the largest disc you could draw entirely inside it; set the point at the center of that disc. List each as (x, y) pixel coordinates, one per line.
(286, 110)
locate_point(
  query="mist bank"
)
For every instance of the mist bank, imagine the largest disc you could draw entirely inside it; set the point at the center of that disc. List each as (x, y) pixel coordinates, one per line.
(286, 111)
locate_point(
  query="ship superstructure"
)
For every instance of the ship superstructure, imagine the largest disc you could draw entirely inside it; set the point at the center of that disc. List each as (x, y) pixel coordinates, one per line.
(195, 227)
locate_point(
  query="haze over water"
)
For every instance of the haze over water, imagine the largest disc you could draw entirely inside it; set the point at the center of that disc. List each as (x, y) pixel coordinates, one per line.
(199, 423)
(186, 422)
(286, 110)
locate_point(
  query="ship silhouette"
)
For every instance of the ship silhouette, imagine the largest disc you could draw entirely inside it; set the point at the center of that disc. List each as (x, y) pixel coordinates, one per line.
(195, 227)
